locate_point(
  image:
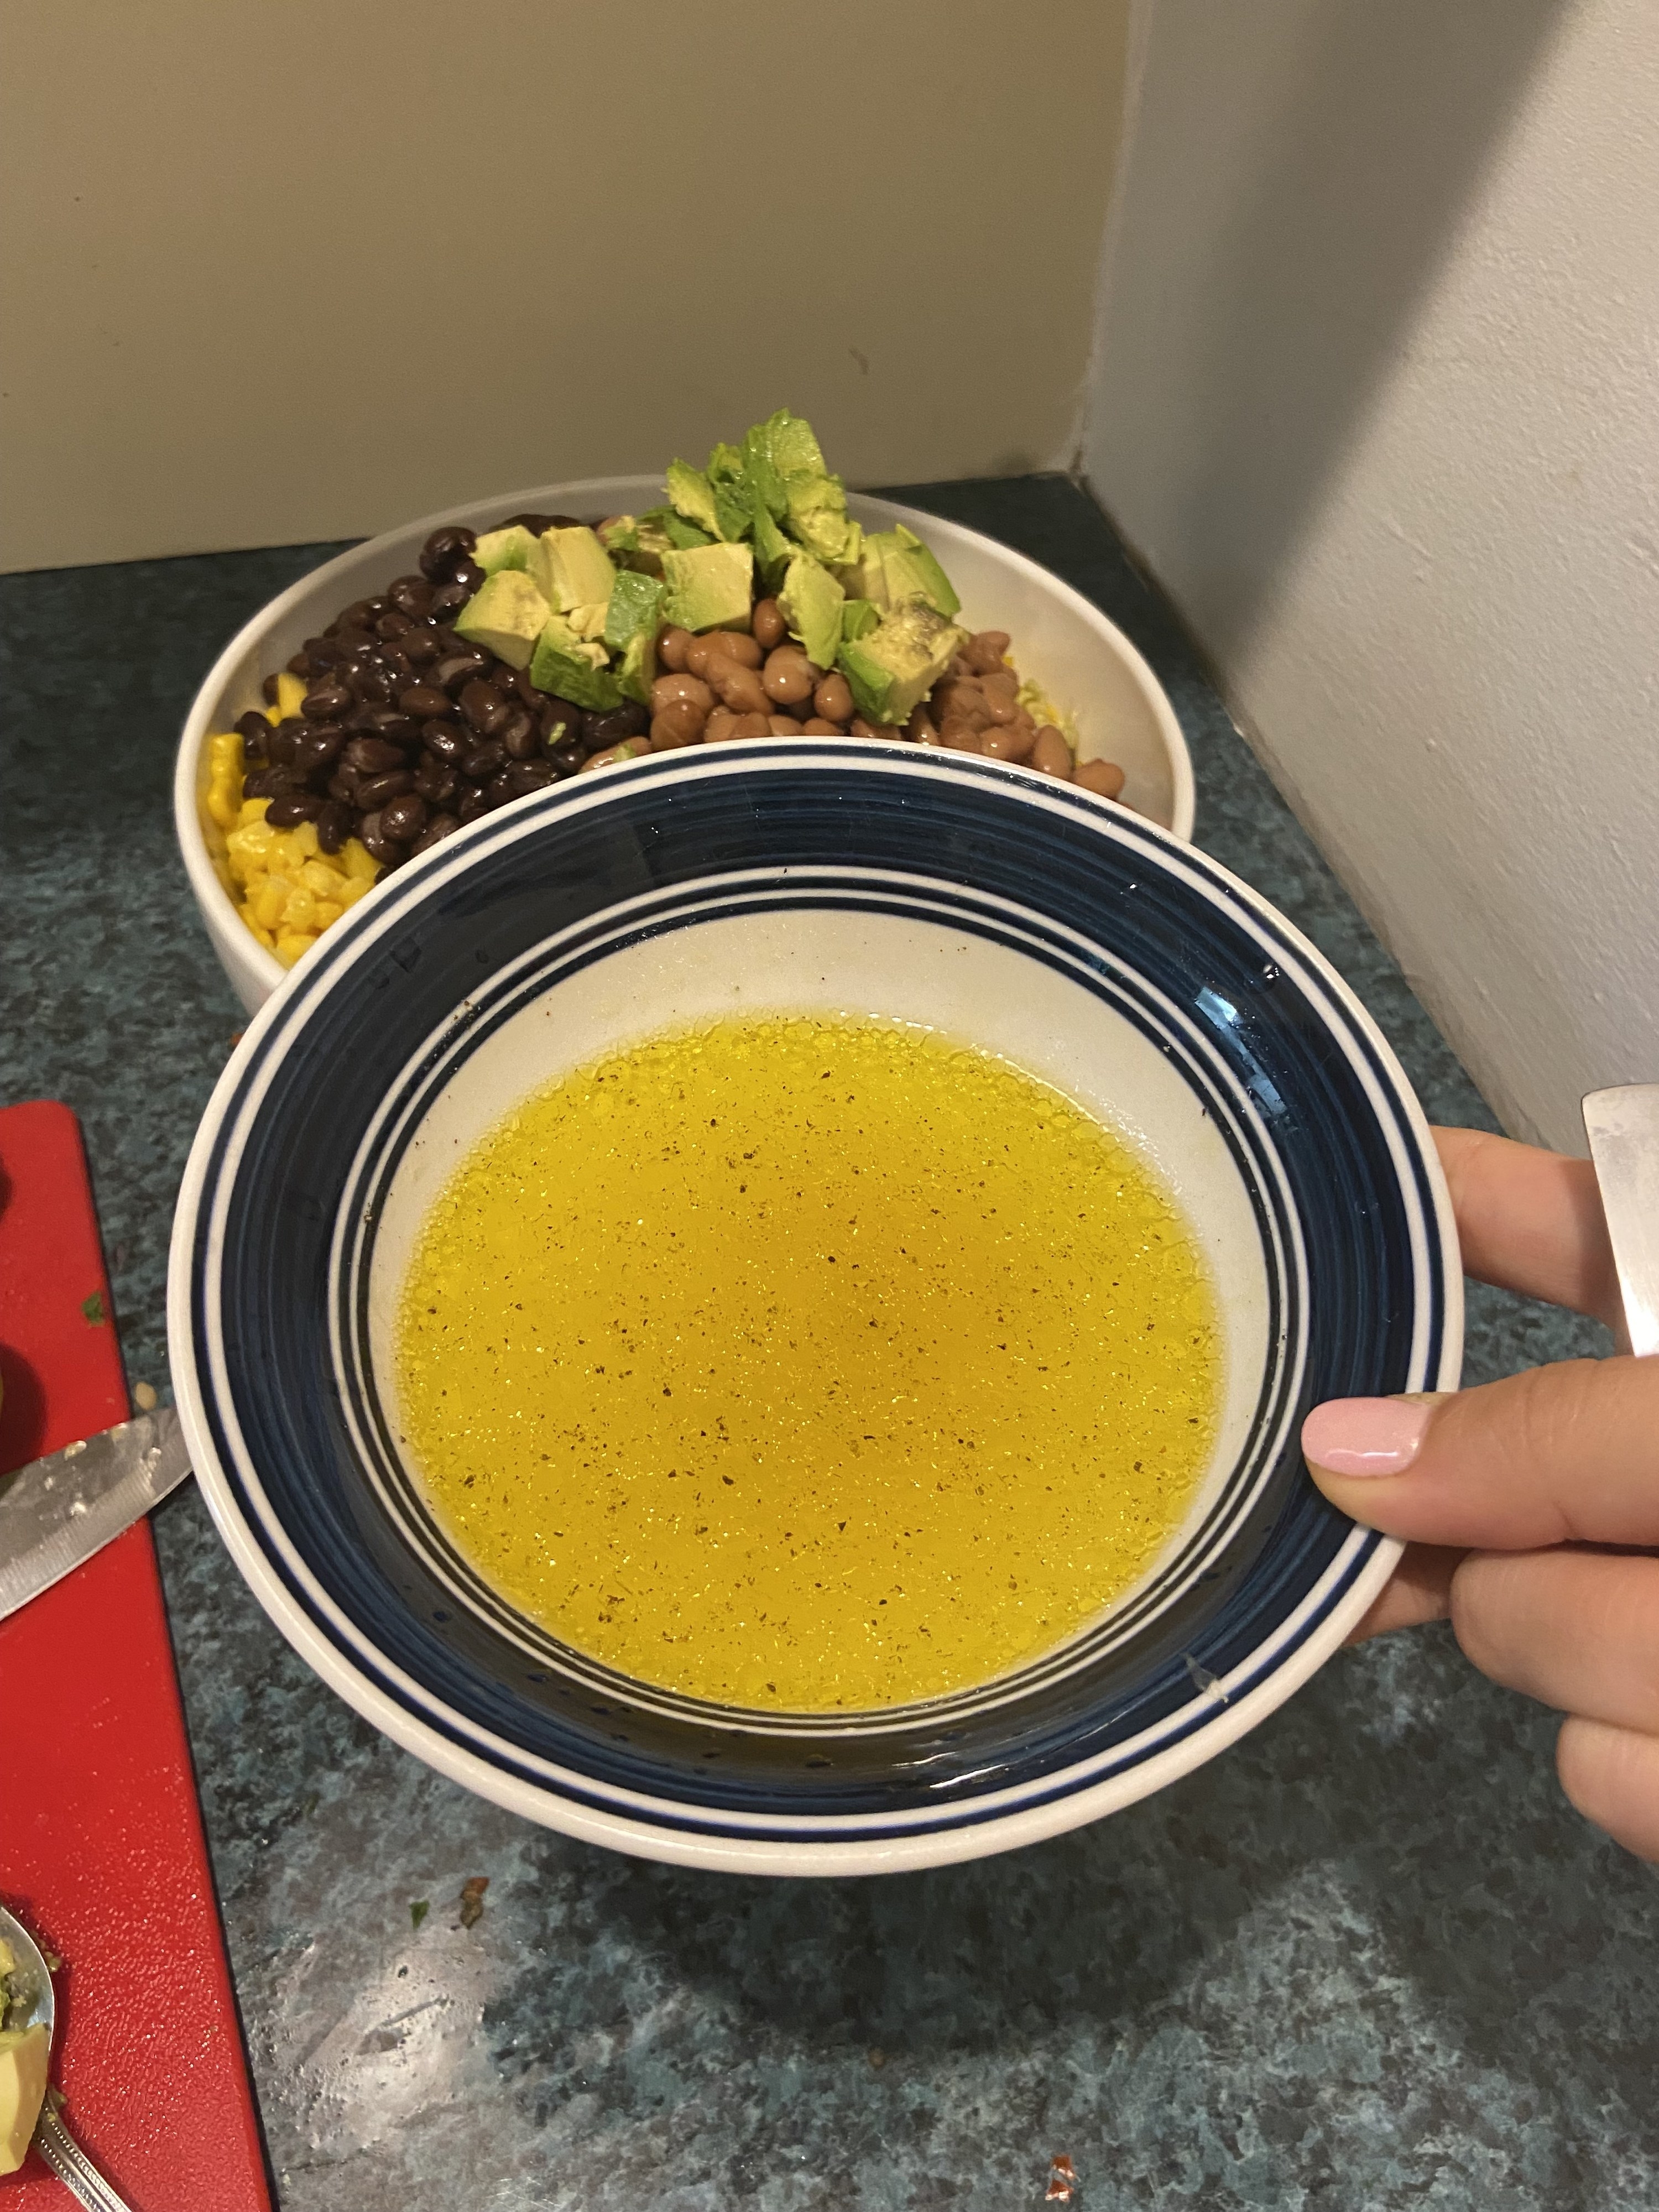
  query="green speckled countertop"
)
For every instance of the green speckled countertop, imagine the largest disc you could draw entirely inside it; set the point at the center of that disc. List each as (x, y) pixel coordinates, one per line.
(1367, 1959)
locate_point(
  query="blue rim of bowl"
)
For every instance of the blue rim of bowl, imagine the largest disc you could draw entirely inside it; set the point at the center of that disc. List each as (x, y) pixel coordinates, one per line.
(1289, 1047)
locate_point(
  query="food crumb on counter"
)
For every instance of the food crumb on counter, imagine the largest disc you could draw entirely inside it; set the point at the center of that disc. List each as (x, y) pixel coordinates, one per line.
(1063, 2183)
(473, 1897)
(143, 1396)
(418, 1910)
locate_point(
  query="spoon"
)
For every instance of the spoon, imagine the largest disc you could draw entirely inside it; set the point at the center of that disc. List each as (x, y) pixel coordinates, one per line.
(1623, 1128)
(32, 2004)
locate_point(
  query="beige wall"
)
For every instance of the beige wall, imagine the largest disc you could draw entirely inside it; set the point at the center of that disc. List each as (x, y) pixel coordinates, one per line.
(277, 269)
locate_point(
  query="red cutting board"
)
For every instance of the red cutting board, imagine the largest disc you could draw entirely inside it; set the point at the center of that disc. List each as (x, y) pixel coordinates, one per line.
(101, 1851)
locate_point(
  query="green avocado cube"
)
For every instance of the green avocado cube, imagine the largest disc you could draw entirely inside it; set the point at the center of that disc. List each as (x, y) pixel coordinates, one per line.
(636, 605)
(913, 572)
(506, 615)
(573, 668)
(709, 586)
(573, 568)
(691, 495)
(504, 548)
(858, 616)
(810, 603)
(638, 671)
(892, 668)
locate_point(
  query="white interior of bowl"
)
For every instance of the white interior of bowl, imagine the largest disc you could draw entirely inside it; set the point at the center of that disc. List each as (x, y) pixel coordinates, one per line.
(1084, 661)
(862, 963)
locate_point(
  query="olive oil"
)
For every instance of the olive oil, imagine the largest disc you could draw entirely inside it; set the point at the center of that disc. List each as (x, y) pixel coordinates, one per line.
(808, 1364)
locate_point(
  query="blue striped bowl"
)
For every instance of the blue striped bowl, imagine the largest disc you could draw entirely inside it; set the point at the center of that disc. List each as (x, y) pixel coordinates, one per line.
(1050, 925)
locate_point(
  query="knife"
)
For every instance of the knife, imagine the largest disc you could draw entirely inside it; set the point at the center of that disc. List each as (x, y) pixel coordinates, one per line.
(57, 1511)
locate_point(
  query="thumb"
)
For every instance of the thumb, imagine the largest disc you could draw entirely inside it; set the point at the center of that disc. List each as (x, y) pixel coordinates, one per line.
(1568, 1453)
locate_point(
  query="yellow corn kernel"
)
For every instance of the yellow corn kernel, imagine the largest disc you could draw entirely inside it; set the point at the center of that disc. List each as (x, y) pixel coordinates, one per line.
(291, 943)
(253, 810)
(300, 911)
(291, 691)
(318, 876)
(225, 748)
(304, 836)
(352, 888)
(224, 801)
(264, 935)
(268, 904)
(360, 861)
(328, 910)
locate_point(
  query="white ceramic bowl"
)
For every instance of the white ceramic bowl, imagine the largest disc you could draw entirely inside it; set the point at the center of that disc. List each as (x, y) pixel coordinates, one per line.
(1019, 913)
(1084, 662)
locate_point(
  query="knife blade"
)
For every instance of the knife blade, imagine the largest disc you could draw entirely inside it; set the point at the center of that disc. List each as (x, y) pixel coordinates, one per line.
(1622, 1125)
(58, 1510)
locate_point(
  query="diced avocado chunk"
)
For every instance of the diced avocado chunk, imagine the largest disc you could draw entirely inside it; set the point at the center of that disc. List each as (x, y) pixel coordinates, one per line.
(636, 605)
(913, 573)
(22, 2090)
(810, 603)
(573, 668)
(732, 516)
(630, 629)
(709, 586)
(893, 667)
(638, 671)
(857, 617)
(784, 461)
(773, 550)
(690, 494)
(507, 614)
(672, 529)
(504, 548)
(573, 568)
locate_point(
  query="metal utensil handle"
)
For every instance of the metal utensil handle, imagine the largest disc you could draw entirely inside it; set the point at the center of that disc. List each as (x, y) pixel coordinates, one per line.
(1622, 1125)
(58, 2147)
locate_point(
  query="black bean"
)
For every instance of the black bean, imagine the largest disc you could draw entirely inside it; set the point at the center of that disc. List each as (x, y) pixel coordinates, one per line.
(484, 707)
(302, 664)
(279, 746)
(419, 648)
(528, 696)
(424, 701)
(450, 599)
(293, 808)
(396, 728)
(435, 782)
(261, 784)
(318, 747)
(448, 740)
(535, 524)
(530, 775)
(349, 639)
(611, 725)
(456, 669)
(468, 576)
(520, 737)
(398, 667)
(404, 819)
(376, 790)
(484, 760)
(369, 685)
(567, 755)
(269, 687)
(254, 726)
(343, 784)
(333, 826)
(373, 755)
(326, 703)
(440, 827)
(448, 545)
(471, 805)
(412, 596)
(499, 790)
(391, 624)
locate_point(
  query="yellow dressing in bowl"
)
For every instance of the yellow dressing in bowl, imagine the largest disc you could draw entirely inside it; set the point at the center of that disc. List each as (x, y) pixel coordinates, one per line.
(808, 1364)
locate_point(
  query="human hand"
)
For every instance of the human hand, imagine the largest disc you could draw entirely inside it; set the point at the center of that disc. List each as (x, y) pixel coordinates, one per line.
(1531, 1506)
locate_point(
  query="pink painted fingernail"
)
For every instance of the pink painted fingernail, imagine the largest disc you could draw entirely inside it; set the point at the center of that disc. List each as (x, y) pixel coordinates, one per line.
(1365, 1436)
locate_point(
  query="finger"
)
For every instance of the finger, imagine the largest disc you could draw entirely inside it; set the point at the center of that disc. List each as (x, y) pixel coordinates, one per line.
(1419, 1589)
(1611, 1776)
(1576, 1630)
(1530, 1221)
(1557, 1454)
